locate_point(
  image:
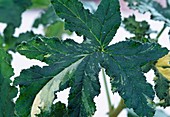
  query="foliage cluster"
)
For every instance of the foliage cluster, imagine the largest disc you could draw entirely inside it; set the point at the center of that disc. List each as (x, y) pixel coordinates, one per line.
(77, 65)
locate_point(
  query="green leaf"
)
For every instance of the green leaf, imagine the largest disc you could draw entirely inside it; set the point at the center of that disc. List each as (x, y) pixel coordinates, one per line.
(99, 27)
(126, 76)
(7, 92)
(58, 109)
(11, 11)
(77, 65)
(86, 86)
(157, 11)
(66, 58)
(75, 69)
(46, 49)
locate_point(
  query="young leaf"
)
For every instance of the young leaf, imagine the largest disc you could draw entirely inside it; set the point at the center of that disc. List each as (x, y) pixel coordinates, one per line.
(7, 92)
(141, 30)
(77, 65)
(157, 11)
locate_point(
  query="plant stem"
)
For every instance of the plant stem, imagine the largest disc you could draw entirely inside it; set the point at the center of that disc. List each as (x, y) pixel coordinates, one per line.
(159, 34)
(112, 112)
(119, 108)
(107, 90)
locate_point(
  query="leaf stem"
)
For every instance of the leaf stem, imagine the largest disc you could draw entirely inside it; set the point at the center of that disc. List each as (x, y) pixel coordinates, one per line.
(107, 90)
(119, 108)
(159, 34)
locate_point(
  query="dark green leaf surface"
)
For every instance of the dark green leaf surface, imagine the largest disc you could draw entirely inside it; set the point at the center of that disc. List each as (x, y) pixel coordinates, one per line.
(157, 11)
(99, 27)
(127, 76)
(77, 65)
(46, 49)
(11, 11)
(85, 87)
(7, 92)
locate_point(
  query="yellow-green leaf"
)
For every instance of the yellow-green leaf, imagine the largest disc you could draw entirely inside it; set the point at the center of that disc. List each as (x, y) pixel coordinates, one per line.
(163, 66)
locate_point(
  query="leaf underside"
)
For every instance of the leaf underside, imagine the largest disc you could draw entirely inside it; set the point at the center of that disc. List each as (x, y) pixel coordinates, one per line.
(77, 65)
